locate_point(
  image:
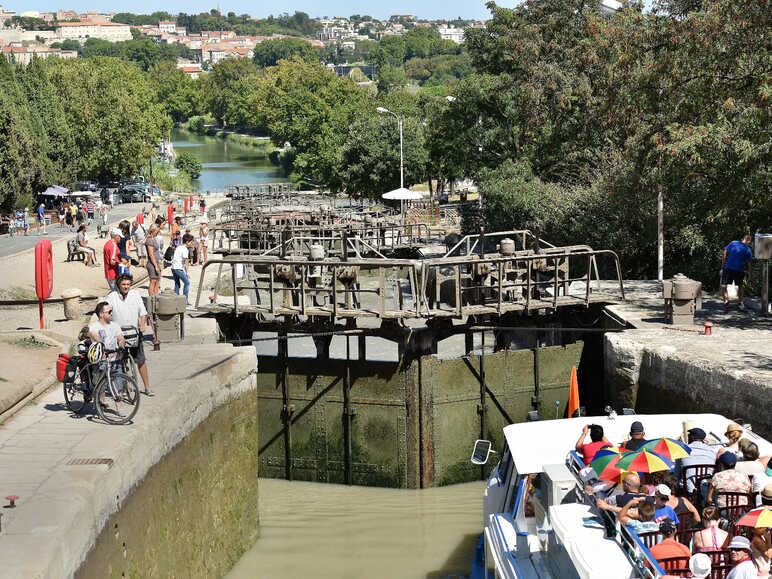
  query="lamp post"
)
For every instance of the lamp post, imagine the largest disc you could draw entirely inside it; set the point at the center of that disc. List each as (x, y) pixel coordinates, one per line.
(383, 110)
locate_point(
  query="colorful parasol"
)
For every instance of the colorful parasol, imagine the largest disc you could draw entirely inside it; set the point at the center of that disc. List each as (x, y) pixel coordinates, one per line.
(668, 447)
(643, 460)
(604, 463)
(759, 518)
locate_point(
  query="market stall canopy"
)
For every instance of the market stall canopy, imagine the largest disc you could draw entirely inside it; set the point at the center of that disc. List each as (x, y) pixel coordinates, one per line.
(56, 191)
(403, 194)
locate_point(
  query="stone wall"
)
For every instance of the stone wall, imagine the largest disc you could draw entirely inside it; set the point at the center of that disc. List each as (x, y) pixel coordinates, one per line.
(654, 373)
(196, 512)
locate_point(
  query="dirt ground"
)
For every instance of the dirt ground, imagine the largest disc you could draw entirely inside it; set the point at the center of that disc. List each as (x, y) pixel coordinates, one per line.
(25, 363)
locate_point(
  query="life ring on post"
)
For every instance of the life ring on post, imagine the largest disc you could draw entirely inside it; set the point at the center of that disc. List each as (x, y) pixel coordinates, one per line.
(44, 273)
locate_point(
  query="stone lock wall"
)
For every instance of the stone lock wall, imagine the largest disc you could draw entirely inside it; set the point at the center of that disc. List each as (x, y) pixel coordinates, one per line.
(196, 511)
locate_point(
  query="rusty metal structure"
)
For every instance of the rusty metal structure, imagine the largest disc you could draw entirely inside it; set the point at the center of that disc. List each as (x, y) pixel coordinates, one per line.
(295, 264)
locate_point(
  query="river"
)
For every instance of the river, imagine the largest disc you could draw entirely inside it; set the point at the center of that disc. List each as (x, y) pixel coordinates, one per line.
(225, 162)
(334, 531)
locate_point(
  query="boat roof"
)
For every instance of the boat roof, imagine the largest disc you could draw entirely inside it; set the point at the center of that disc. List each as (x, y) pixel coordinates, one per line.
(534, 444)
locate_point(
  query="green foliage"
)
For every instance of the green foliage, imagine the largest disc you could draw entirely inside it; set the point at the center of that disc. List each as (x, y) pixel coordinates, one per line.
(188, 163)
(271, 51)
(69, 44)
(284, 158)
(605, 110)
(196, 124)
(224, 85)
(441, 70)
(142, 50)
(181, 182)
(29, 23)
(176, 91)
(141, 19)
(299, 24)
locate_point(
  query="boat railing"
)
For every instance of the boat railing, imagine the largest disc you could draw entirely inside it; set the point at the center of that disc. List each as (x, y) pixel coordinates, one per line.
(640, 556)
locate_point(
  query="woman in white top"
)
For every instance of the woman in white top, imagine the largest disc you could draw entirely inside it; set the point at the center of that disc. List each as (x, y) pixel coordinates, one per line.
(203, 236)
(180, 263)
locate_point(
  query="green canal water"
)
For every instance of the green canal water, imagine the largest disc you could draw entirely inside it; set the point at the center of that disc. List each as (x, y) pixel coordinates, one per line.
(225, 162)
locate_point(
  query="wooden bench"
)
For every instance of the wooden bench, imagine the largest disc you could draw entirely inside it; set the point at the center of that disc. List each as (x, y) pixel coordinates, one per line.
(75, 252)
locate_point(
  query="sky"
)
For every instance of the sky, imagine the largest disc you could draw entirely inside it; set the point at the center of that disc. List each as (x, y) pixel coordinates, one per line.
(430, 9)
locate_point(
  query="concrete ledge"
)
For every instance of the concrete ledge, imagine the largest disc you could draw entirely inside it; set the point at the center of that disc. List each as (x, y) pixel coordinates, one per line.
(651, 370)
(62, 508)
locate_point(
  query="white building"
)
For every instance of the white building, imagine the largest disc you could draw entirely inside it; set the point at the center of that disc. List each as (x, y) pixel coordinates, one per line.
(167, 26)
(452, 33)
(81, 31)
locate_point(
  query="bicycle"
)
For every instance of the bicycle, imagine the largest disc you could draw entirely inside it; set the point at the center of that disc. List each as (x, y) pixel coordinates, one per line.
(115, 394)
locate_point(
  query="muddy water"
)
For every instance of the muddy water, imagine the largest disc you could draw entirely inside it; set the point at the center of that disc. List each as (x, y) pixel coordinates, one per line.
(322, 530)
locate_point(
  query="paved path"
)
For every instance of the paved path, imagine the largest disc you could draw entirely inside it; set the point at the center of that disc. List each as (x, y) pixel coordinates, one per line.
(12, 245)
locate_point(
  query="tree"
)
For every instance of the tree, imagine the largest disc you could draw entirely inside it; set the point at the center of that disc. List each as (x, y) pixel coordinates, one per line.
(176, 91)
(188, 163)
(271, 51)
(220, 86)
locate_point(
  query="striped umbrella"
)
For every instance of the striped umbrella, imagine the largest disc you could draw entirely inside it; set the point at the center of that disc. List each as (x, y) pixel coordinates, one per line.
(643, 460)
(668, 447)
(759, 518)
(604, 463)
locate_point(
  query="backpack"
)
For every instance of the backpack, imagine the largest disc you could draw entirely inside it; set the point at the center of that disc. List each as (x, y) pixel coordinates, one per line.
(168, 255)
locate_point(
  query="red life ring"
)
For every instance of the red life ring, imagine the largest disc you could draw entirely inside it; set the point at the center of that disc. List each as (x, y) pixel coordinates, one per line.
(44, 269)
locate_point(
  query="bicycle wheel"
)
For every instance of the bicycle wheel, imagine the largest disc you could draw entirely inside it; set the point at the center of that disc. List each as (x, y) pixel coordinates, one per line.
(76, 393)
(121, 402)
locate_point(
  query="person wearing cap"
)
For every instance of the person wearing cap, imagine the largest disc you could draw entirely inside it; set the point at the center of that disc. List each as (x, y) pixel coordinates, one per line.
(637, 437)
(110, 258)
(740, 556)
(203, 239)
(42, 220)
(662, 510)
(701, 454)
(668, 546)
(728, 480)
(734, 433)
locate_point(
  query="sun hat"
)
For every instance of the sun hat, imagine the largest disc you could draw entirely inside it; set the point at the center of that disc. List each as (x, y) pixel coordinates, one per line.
(115, 231)
(740, 543)
(733, 427)
(766, 492)
(700, 565)
(664, 490)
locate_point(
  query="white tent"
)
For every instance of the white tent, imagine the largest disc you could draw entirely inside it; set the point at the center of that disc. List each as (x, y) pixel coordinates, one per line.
(403, 194)
(55, 191)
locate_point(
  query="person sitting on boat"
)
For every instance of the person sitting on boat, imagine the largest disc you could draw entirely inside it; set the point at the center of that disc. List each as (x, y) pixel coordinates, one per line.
(650, 481)
(598, 441)
(728, 480)
(638, 515)
(701, 454)
(734, 433)
(681, 505)
(766, 496)
(740, 555)
(662, 510)
(668, 546)
(750, 464)
(631, 484)
(637, 437)
(761, 550)
(711, 537)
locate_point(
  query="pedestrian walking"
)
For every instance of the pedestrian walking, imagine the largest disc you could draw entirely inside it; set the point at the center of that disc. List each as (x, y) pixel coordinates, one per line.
(735, 256)
(90, 206)
(110, 258)
(42, 230)
(180, 265)
(62, 216)
(202, 204)
(104, 211)
(154, 260)
(203, 235)
(138, 234)
(25, 221)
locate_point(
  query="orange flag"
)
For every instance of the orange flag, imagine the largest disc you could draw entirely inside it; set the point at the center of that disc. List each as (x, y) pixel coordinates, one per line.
(573, 393)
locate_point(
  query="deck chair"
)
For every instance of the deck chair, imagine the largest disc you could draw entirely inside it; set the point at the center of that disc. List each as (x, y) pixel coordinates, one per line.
(697, 474)
(649, 539)
(678, 566)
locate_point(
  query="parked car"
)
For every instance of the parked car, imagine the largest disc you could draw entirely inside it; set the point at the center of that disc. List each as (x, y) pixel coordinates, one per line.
(86, 186)
(135, 193)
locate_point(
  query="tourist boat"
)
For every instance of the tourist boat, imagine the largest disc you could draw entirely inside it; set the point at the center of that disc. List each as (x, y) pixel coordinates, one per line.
(565, 536)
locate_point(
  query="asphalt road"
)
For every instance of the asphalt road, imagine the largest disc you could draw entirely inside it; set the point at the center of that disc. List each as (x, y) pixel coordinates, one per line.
(11, 245)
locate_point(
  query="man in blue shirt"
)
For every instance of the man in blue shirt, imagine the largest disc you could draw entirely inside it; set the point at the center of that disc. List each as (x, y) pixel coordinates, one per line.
(736, 254)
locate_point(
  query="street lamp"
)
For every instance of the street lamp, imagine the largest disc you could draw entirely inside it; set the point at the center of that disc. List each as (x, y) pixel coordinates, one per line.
(383, 110)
